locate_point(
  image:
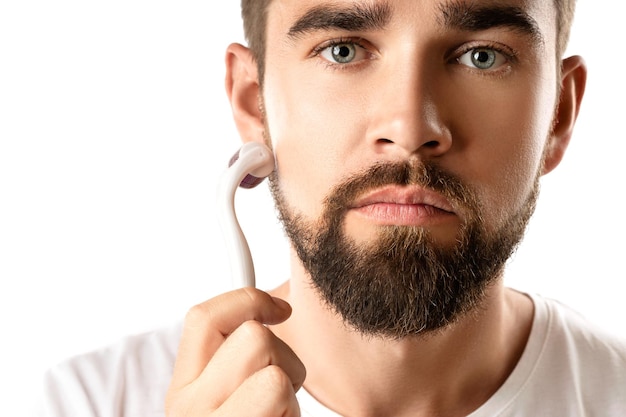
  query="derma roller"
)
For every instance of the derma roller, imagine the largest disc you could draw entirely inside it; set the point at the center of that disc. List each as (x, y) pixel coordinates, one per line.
(247, 169)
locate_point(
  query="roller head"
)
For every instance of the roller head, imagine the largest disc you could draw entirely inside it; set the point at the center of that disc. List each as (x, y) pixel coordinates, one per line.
(255, 160)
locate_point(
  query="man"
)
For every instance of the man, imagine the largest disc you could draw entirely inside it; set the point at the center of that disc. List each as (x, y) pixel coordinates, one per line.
(409, 139)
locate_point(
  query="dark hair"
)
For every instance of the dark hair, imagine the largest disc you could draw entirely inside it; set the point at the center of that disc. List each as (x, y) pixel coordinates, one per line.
(254, 14)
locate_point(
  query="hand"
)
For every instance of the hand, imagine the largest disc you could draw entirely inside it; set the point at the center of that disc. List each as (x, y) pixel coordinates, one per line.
(230, 364)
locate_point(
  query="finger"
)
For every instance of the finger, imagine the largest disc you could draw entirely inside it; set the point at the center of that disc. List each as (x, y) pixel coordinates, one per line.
(267, 393)
(207, 325)
(249, 349)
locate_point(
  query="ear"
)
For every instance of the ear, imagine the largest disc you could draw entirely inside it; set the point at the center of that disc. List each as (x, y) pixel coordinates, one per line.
(243, 89)
(573, 80)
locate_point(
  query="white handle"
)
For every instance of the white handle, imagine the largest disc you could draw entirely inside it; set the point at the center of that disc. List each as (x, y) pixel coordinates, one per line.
(257, 160)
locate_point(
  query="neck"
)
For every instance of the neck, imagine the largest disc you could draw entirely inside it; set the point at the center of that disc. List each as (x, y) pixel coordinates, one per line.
(450, 372)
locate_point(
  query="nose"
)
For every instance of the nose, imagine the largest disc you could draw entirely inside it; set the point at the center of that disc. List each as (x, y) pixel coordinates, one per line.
(407, 117)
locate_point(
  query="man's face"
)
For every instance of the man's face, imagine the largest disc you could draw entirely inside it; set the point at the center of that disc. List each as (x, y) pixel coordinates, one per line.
(462, 90)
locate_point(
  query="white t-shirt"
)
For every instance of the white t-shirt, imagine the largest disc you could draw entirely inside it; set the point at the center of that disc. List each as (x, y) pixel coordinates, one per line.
(568, 369)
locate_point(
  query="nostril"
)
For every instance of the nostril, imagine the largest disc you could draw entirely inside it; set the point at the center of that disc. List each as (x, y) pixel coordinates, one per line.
(430, 144)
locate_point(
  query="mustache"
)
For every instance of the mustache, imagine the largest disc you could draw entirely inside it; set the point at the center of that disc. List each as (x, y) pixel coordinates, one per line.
(424, 174)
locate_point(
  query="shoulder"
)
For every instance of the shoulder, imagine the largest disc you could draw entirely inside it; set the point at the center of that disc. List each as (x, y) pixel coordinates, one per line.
(570, 367)
(580, 359)
(128, 378)
(572, 331)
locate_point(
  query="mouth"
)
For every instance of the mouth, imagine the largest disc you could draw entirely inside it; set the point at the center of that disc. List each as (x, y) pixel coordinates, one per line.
(404, 205)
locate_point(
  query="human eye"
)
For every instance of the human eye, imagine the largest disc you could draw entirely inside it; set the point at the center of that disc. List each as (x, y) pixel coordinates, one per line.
(341, 52)
(484, 58)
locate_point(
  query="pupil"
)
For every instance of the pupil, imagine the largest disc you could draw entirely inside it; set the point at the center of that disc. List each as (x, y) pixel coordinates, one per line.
(481, 56)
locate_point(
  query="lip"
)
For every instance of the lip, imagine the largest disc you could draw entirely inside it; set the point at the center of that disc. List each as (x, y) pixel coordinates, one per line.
(404, 195)
(403, 205)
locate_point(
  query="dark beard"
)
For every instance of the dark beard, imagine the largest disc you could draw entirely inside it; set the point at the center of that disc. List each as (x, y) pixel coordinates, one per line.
(404, 283)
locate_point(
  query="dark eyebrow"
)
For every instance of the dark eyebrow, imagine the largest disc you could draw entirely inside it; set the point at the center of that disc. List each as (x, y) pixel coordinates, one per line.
(474, 18)
(354, 18)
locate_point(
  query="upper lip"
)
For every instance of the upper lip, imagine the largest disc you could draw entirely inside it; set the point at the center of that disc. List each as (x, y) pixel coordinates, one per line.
(395, 194)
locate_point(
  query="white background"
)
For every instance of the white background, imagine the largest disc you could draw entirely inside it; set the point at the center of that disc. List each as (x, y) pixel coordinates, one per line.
(114, 128)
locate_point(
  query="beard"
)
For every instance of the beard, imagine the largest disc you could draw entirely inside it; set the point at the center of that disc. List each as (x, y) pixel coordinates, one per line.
(404, 283)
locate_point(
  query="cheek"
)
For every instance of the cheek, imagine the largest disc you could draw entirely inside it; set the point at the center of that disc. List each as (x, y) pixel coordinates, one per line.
(504, 136)
(311, 134)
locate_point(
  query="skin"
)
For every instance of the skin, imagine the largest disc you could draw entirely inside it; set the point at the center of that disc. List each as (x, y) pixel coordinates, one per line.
(409, 95)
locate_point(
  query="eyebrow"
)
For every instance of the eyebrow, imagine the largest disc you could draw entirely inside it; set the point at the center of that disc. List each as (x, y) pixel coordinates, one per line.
(473, 18)
(353, 18)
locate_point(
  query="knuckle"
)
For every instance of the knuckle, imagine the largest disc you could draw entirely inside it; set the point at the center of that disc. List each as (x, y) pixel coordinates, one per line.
(197, 315)
(253, 330)
(276, 379)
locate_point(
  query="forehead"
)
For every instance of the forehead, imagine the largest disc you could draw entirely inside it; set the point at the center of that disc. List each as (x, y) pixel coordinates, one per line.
(286, 17)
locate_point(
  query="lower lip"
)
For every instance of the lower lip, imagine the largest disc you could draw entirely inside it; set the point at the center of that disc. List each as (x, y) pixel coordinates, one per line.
(403, 214)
